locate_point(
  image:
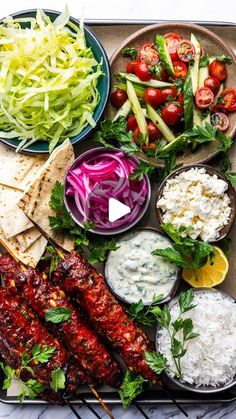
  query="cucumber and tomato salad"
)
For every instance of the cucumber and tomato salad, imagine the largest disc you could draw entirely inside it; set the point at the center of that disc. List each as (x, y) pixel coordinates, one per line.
(174, 81)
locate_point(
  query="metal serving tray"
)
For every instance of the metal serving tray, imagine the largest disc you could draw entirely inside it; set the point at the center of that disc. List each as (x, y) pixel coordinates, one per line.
(111, 33)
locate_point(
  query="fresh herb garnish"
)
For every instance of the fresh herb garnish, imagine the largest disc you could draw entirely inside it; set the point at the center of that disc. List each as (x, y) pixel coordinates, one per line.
(58, 380)
(225, 167)
(142, 314)
(40, 354)
(202, 134)
(115, 131)
(224, 59)
(130, 53)
(64, 223)
(144, 168)
(98, 253)
(156, 361)
(52, 256)
(155, 70)
(179, 331)
(225, 141)
(132, 386)
(58, 314)
(186, 252)
(204, 61)
(156, 174)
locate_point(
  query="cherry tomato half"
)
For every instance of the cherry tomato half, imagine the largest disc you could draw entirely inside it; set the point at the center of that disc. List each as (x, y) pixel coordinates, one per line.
(148, 54)
(218, 70)
(180, 69)
(180, 99)
(131, 123)
(150, 146)
(153, 97)
(135, 135)
(168, 92)
(171, 113)
(153, 132)
(172, 41)
(204, 97)
(164, 75)
(213, 84)
(229, 96)
(130, 67)
(220, 121)
(118, 98)
(142, 71)
(185, 51)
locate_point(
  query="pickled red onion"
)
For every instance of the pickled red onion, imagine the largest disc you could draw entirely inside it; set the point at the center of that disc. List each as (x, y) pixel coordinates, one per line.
(105, 176)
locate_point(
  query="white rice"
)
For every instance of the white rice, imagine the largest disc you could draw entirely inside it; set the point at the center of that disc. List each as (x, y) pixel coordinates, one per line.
(210, 359)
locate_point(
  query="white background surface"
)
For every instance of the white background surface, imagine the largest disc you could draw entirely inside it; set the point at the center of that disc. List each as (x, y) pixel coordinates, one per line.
(133, 9)
(218, 10)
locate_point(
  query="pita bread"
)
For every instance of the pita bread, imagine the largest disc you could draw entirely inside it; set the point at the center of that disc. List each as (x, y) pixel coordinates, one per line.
(16, 169)
(35, 200)
(16, 172)
(27, 238)
(33, 254)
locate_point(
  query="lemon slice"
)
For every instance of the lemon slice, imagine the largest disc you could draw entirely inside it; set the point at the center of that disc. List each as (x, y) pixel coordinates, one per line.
(209, 275)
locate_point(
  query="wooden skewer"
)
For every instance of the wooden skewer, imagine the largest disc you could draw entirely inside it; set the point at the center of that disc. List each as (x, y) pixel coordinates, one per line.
(103, 404)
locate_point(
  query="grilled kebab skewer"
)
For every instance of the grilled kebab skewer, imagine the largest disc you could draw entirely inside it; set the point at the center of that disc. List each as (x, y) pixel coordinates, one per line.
(78, 338)
(20, 332)
(105, 313)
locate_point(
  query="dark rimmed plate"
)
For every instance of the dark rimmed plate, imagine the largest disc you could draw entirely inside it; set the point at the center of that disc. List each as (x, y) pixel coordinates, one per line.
(212, 44)
(103, 83)
(212, 171)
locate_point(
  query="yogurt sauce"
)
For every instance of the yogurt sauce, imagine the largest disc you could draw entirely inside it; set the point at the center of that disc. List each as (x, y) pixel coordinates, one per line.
(134, 273)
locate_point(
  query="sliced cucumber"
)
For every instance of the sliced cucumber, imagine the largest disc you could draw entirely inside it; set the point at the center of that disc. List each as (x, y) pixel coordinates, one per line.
(207, 120)
(175, 145)
(138, 88)
(217, 96)
(188, 102)
(124, 110)
(137, 110)
(197, 119)
(164, 54)
(150, 83)
(195, 67)
(203, 74)
(161, 125)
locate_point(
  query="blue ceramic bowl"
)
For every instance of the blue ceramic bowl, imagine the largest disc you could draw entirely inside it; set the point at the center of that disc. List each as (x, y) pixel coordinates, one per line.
(103, 83)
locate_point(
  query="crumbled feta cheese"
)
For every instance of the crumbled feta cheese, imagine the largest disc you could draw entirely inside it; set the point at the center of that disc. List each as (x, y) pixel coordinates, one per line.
(198, 200)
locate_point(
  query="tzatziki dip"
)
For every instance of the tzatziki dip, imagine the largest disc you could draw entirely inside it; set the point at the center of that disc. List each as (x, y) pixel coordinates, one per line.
(133, 273)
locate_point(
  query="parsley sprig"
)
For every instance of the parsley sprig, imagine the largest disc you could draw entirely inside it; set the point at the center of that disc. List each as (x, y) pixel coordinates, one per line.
(225, 167)
(186, 252)
(179, 331)
(130, 53)
(143, 314)
(63, 222)
(131, 387)
(39, 354)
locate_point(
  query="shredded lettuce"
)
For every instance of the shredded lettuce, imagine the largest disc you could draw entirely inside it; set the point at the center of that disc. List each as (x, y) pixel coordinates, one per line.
(48, 79)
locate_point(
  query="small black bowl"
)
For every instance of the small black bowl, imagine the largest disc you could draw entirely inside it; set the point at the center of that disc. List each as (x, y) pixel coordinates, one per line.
(211, 171)
(192, 387)
(176, 283)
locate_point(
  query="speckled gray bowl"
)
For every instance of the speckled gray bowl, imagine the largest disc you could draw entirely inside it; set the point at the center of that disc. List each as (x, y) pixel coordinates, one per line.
(192, 387)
